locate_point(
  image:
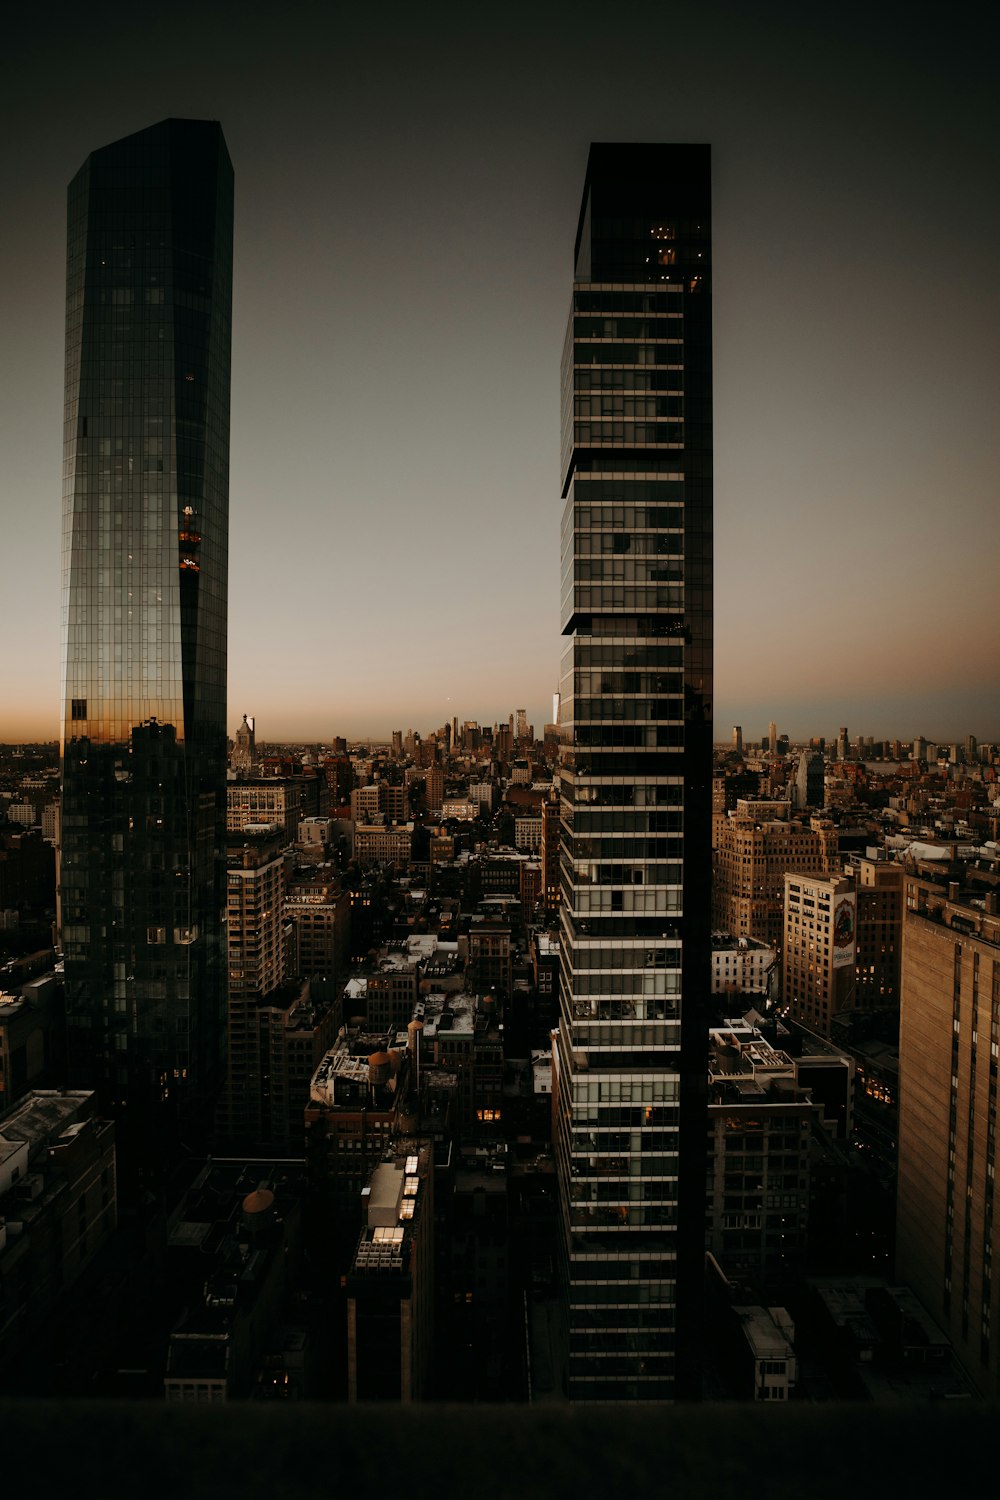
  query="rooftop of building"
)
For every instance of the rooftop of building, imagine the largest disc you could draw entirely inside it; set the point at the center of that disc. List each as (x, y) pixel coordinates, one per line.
(10, 1006)
(743, 1066)
(725, 942)
(768, 1331)
(45, 1114)
(229, 1231)
(446, 1014)
(349, 1062)
(541, 1073)
(392, 1204)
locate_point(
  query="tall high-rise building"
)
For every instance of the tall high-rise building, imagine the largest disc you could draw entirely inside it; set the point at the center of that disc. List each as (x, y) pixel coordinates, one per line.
(631, 1052)
(145, 541)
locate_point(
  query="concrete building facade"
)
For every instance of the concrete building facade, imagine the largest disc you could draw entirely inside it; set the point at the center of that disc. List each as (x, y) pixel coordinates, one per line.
(949, 1047)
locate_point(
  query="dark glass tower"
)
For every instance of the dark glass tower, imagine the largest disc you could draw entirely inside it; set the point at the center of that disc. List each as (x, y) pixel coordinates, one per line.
(636, 773)
(145, 540)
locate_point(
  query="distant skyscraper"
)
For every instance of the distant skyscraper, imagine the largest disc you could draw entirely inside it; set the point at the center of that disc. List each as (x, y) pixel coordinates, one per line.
(244, 756)
(843, 744)
(636, 717)
(145, 540)
(810, 780)
(772, 737)
(738, 738)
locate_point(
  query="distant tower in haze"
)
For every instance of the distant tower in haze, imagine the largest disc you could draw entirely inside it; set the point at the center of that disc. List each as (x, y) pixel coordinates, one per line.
(810, 780)
(635, 933)
(772, 737)
(738, 738)
(145, 544)
(244, 756)
(843, 744)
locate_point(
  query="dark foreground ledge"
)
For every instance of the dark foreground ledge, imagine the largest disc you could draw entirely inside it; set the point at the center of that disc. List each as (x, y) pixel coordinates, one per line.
(310, 1452)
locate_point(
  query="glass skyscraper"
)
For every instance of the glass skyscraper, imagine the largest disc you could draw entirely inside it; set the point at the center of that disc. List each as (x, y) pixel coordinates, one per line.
(145, 542)
(636, 687)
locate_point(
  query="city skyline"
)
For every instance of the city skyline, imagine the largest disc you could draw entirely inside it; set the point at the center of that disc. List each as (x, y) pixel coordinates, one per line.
(402, 567)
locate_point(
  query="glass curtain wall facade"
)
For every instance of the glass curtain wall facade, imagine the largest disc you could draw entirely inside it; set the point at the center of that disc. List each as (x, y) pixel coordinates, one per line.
(145, 543)
(636, 774)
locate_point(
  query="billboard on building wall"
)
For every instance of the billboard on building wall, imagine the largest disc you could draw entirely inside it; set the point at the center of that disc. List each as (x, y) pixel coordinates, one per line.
(844, 929)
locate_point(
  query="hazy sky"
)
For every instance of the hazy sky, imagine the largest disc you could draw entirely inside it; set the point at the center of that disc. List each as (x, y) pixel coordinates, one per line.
(407, 185)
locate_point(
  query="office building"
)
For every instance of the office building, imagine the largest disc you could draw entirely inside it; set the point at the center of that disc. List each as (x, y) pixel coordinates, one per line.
(32, 1031)
(233, 1258)
(771, 1121)
(381, 843)
(949, 1042)
(636, 773)
(390, 1302)
(58, 1209)
(278, 792)
(819, 948)
(434, 789)
(276, 1035)
(317, 913)
(754, 850)
(740, 966)
(549, 851)
(880, 933)
(145, 540)
(810, 780)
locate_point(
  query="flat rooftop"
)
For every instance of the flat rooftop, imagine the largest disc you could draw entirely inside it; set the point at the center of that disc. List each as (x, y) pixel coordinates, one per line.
(44, 1114)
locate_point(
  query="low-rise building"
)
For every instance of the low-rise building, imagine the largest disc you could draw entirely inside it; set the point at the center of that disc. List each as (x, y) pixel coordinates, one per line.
(58, 1208)
(462, 809)
(390, 1287)
(32, 1023)
(740, 965)
(317, 911)
(233, 1249)
(383, 843)
(760, 1121)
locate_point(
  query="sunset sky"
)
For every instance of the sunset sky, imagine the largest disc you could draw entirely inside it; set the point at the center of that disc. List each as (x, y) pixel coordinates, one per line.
(407, 185)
